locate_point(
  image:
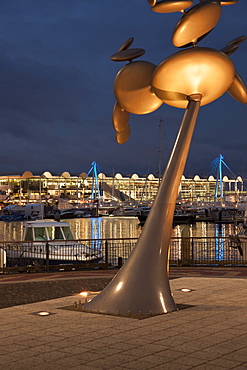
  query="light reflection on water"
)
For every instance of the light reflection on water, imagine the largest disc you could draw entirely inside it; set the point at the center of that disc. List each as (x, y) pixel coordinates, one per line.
(115, 227)
(105, 227)
(83, 228)
(205, 229)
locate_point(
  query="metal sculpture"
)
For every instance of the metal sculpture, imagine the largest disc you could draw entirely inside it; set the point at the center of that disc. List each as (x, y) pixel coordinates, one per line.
(187, 79)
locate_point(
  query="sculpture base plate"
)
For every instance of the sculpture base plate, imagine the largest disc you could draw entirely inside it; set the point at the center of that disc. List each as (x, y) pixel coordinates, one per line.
(138, 316)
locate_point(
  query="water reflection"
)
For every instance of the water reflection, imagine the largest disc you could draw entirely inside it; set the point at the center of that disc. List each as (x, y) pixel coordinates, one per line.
(10, 231)
(117, 227)
(205, 230)
(219, 243)
(212, 245)
(105, 227)
(83, 228)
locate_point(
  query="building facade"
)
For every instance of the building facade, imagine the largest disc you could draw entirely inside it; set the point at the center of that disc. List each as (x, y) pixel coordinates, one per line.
(65, 189)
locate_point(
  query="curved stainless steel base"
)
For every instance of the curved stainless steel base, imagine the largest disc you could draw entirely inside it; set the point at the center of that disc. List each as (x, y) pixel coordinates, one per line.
(142, 284)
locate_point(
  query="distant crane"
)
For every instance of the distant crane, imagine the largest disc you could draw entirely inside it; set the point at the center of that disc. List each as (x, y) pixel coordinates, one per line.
(95, 194)
(217, 166)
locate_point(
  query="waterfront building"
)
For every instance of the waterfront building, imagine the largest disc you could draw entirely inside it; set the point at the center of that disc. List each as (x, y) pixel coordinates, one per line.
(65, 189)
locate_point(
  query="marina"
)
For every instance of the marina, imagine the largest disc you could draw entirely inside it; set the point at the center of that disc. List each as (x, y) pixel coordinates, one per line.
(114, 238)
(103, 232)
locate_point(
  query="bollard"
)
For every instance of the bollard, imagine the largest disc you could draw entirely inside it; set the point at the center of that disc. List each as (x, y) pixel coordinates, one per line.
(47, 256)
(119, 262)
(106, 255)
(185, 246)
(3, 259)
(192, 252)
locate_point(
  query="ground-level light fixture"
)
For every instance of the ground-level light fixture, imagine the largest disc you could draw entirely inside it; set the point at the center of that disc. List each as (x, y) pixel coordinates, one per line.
(43, 313)
(85, 296)
(186, 290)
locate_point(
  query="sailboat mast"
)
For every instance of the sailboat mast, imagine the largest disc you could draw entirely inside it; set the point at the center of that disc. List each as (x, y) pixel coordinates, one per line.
(160, 151)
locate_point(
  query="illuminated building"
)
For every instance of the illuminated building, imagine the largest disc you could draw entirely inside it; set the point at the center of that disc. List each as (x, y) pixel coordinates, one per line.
(69, 189)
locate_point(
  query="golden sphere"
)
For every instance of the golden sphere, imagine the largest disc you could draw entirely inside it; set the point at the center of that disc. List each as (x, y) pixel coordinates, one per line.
(123, 136)
(120, 118)
(132, 88)
(197, 70)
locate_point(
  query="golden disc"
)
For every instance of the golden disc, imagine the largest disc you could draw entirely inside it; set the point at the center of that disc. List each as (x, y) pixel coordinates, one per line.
(132, 88)
(126, 44)
(123, 136)
(229, 49)
(196, 23)
(152, 2)
(238, 89)
(127, 54)
(228, 2)
(238, 40)
(120, 118)
(167, 6)
(197, 70)
(233, 45)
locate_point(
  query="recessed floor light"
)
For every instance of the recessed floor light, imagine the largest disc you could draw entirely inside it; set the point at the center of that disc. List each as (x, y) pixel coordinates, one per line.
(43, 313)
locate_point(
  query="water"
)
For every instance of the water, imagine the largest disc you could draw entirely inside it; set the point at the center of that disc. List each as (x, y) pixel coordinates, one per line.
(115, 227)
(206, 229)
(128, 227)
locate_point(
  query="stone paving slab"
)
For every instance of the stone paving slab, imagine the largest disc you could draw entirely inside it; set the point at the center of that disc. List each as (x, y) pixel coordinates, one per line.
(212, 334)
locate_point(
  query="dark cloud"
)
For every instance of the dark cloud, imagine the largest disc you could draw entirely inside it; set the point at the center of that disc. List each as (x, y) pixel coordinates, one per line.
(57, 88)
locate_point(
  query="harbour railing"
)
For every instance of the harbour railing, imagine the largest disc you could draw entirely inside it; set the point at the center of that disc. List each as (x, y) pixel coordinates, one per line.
(112, 253)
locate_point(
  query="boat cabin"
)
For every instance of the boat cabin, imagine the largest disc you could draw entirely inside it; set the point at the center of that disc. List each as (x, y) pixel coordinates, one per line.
(37, 231)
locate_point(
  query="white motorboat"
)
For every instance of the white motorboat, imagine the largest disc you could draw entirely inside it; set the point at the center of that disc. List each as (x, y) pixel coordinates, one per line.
(50, 241)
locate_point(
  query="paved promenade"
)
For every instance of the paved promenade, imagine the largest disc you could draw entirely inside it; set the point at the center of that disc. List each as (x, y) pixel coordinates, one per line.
(211, 333)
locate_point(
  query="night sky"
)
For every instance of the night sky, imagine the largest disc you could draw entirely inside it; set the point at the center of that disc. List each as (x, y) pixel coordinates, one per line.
(57, 89)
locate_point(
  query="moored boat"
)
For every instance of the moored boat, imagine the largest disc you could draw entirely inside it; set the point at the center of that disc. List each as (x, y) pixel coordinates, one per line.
(180, 216)
(48, 241)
